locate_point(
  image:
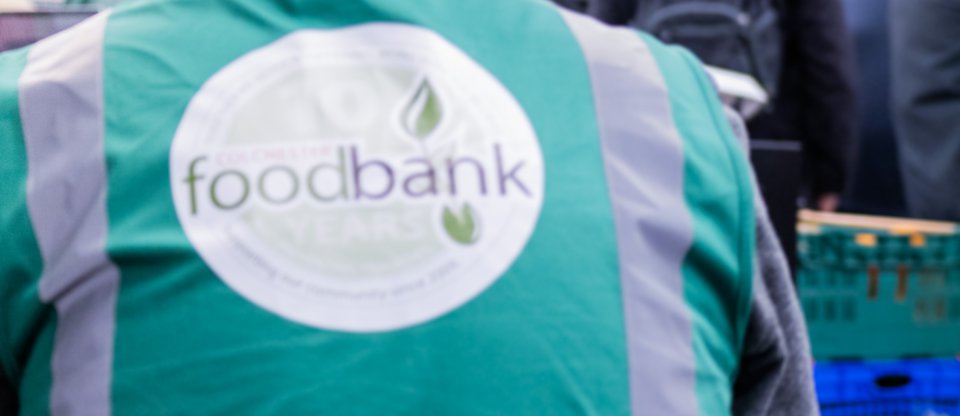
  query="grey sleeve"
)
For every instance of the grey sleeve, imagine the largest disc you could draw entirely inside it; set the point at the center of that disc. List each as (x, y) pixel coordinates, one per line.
(776, 367)
(776, 372)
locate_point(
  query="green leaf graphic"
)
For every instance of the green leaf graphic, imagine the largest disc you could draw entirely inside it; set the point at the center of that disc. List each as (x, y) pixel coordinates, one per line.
(423, 113)
(462, 228)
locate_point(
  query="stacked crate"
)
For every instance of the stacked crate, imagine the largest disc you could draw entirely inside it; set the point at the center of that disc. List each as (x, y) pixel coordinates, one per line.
(876, 287)
(874, 291)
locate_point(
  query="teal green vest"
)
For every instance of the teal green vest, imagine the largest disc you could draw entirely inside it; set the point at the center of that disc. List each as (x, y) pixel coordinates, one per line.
(367, 207)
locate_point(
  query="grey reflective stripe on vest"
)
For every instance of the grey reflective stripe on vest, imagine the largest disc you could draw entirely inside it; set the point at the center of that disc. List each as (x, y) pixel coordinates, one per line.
(61, 104)
(645, 163)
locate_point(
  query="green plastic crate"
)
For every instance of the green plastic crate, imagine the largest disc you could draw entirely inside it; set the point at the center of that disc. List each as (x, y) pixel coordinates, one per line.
(879, 293)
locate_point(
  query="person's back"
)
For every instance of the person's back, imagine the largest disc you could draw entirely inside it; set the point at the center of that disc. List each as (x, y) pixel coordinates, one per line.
(367, 207)
(925, 98)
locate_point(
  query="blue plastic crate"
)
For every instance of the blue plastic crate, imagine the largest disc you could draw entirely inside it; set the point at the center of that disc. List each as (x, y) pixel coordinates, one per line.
(894, 388)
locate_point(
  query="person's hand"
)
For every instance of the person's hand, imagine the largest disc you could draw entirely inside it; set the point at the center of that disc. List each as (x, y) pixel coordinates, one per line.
(828, 202)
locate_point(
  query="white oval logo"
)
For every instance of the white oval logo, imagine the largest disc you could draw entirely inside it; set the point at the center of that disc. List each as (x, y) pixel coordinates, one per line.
(362, 179)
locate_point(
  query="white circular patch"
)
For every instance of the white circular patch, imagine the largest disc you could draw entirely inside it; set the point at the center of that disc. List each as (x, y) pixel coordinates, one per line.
(362, 179)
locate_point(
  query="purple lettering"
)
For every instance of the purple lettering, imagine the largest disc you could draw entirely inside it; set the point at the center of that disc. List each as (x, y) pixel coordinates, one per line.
(428, 175)
(452, 169)
(358, 170)
(510, 176)
(338, 169)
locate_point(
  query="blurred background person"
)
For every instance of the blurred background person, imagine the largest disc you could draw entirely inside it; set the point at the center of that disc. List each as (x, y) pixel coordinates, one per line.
(875, 186)
(925, 41)
(800, 51)
(816, 101)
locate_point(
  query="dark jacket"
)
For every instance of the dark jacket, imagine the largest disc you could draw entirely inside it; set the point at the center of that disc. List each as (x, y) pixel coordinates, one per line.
(816, 104)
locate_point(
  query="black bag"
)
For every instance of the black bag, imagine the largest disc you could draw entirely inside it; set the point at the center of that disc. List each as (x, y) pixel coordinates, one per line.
(740, 35)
